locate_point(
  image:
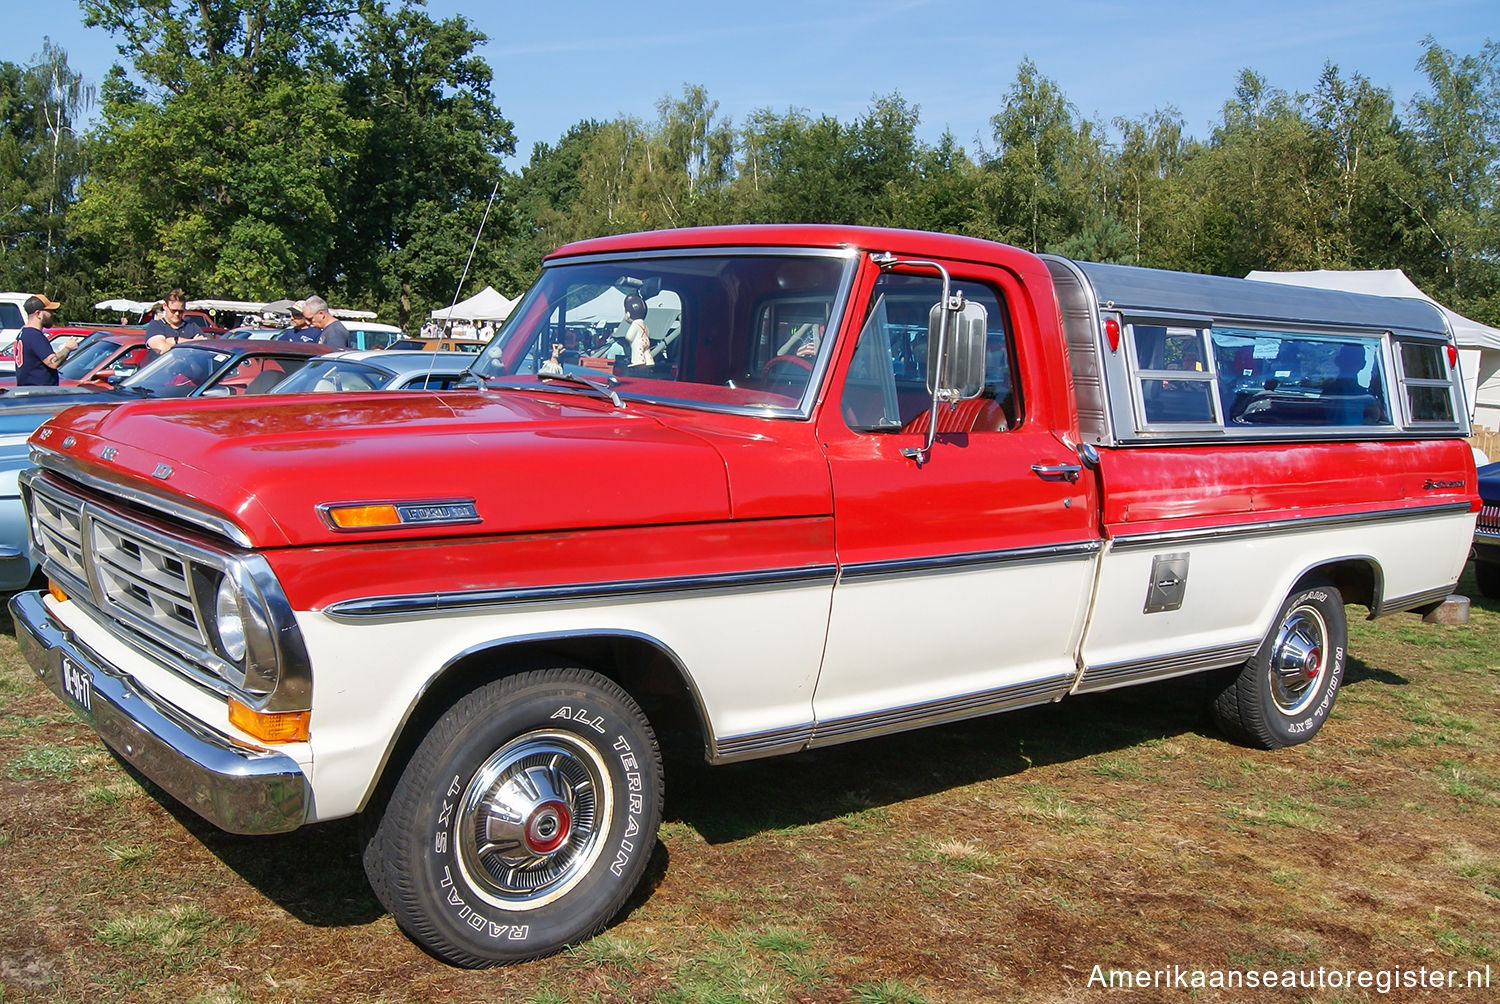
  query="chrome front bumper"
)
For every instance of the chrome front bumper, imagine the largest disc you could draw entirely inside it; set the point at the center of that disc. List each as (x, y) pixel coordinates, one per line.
(237, 789)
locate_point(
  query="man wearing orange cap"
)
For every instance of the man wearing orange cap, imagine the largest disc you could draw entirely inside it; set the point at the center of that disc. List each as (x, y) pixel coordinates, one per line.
(36, 360)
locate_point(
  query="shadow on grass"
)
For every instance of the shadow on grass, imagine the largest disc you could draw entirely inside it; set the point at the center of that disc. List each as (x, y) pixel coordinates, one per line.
(736, 801)
(314, 873)
(1357, 671)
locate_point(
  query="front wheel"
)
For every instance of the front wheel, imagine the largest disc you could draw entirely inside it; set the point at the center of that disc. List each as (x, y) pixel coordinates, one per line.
(522, 822)
(1284, 693)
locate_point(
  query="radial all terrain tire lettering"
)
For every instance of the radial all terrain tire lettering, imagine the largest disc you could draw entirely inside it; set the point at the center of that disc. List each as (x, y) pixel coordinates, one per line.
(1283, 694)
(522, 822)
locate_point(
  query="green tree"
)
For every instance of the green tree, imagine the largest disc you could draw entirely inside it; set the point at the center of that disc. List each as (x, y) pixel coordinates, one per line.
(1457, 157)
(425, 167)
(1358, 139)
(222, 168)
(41, 158)
(1149, 160)
(1037, 141)
(690, 159)
(794, 168)
(284, 146)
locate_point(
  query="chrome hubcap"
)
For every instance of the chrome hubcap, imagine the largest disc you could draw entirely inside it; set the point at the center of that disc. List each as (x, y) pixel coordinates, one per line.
(532, 820)
(1298, 660)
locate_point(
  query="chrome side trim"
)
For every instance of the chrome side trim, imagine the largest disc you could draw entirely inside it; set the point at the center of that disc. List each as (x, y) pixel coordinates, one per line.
(970, 560)
(446, 602)
(728, 749)
(1415, 601)
(842, 730)
(1122, 674)
(171, 505)
(1295, 524)
(238, 789)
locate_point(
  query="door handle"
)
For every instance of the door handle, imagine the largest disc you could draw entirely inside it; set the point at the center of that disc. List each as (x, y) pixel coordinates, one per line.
(1057, 472)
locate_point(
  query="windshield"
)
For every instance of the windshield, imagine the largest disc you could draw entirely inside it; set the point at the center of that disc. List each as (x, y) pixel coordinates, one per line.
(322, 376)
(89, 356)
(179, 372)
(729, 331)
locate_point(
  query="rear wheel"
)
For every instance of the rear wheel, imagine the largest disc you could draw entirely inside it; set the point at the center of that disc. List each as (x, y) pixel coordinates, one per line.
(522, 822)
(1283, 694)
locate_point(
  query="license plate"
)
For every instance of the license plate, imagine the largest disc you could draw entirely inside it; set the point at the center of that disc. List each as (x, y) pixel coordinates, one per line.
(78, 684)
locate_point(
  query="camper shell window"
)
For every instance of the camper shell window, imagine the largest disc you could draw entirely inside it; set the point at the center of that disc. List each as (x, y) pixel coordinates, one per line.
(1230, 379)
(1429, 383)
(1175, 356)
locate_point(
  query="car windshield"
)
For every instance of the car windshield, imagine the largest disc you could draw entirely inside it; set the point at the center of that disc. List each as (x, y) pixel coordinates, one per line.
(90, 355)
(178, 373)
(323, 376)
(742, 331)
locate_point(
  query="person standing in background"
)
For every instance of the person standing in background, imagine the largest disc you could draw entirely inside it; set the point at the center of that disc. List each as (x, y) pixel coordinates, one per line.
(331, 330)
(171, 325)
(299, 329)
(36, 360)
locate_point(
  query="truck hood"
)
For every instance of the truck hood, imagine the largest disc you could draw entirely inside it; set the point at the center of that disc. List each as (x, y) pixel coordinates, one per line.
(529, 463)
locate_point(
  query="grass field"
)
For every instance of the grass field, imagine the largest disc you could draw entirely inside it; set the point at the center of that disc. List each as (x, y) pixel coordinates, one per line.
(1014, 858)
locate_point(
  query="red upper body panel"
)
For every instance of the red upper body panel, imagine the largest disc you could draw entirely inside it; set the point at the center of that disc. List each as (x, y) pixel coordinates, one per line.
(531, 462)
(544, 461)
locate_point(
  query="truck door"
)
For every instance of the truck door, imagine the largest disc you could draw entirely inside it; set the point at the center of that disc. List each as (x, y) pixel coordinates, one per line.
(963, 580)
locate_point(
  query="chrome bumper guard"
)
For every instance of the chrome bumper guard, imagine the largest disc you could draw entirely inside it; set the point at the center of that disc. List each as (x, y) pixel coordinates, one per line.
(237, 789)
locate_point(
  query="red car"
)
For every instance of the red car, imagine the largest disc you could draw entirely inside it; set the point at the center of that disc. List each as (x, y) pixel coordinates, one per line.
(102, 353)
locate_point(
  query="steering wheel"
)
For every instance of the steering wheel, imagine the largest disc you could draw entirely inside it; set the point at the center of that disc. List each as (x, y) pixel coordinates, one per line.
(768, 372)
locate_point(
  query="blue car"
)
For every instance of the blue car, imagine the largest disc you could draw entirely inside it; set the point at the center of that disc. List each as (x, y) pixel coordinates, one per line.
(1487, 533)
(16, 426)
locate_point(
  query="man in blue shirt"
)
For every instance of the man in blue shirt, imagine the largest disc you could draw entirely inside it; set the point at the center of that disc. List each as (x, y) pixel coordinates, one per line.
(332, 330)
(36, 360)
(171, 325)
(299, 328)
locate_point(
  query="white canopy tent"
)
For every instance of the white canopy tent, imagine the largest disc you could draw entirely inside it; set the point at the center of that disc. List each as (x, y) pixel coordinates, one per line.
(485, 305)
(124, 306)
(231, 306)
(1478, 344)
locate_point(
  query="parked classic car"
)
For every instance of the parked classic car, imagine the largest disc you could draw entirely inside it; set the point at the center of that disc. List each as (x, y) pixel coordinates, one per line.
(16, 426)
(107, 353)
(1487, 533)
(444, 344)
(377, 369)
(212, 367)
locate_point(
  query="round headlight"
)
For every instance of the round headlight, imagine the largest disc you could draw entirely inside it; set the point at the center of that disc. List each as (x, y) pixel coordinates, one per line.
(229, 620)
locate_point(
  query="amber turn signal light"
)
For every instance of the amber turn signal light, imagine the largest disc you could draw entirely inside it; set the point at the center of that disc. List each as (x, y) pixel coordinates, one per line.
(56, 592)
(353, 517)
(270, 726)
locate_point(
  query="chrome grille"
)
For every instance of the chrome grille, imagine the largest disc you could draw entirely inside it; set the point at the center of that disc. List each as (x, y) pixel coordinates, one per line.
(1489, 518)
(139, 577)
(57, 529)
(124, 557)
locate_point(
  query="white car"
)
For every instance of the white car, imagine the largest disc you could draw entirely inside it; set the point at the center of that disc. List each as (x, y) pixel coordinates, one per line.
(12, 320)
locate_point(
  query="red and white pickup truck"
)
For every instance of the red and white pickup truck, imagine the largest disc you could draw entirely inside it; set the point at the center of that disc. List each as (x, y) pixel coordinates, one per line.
(770, 488)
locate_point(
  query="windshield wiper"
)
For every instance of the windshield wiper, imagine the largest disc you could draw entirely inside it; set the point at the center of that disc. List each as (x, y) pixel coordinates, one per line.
(605, 388)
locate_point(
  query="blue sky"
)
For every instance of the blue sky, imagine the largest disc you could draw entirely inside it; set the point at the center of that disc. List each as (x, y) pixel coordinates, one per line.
(559, 62)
